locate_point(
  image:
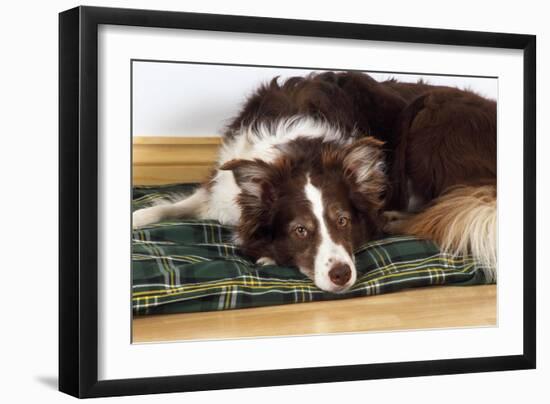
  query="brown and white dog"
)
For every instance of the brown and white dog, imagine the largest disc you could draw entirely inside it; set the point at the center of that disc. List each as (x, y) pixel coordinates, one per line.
(314, 167)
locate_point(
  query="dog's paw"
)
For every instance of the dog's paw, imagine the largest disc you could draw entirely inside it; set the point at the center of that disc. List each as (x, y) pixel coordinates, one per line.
(265, 261)
(393, 215)
(395, 221)
(146, 216)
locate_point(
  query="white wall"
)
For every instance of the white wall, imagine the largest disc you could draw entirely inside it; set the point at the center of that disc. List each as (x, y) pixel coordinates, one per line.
(28, 167)
(181, 99)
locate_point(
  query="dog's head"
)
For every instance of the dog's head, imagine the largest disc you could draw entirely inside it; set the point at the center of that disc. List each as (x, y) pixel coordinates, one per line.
(312, 206)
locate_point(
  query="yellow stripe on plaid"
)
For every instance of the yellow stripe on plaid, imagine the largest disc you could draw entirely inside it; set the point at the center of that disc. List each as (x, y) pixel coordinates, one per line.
(466, 269)
(194, 288)
(417, 263)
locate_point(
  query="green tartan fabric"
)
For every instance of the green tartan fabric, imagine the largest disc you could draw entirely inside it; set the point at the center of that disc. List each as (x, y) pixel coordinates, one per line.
(191, 265)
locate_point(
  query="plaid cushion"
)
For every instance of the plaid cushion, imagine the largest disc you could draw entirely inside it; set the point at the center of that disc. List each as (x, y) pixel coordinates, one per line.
(191, 265)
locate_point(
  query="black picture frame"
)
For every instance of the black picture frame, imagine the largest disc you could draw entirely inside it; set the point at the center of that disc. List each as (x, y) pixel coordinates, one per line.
(78, 201)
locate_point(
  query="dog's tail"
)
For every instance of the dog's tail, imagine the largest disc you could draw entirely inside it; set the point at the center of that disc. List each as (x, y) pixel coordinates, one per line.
(462, 220)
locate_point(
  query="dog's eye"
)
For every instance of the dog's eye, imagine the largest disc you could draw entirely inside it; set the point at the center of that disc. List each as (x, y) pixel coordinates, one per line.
(343, 221)
(300, 231)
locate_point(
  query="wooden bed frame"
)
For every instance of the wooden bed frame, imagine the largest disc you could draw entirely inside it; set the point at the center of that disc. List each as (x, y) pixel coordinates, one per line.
(166, 160)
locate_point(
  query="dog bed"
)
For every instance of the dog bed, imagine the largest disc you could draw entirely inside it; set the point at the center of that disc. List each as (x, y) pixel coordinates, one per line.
(191, 265)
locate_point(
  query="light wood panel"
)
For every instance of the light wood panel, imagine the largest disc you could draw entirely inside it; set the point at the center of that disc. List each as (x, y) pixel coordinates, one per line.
(166, 160)
(430, 307)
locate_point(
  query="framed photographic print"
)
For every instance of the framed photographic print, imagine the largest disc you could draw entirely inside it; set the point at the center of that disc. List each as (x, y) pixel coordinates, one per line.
(251, 201)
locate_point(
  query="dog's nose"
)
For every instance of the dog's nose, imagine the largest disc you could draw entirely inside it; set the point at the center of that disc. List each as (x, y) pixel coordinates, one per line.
(340, 274)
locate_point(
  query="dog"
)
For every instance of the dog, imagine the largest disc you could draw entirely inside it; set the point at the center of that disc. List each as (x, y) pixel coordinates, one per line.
(314, 167)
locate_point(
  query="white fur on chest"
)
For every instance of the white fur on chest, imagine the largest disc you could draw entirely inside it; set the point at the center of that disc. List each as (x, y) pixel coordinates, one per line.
(258, 143)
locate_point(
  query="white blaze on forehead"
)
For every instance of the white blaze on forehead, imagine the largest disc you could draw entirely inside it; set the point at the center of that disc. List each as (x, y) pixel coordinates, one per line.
(329, 252)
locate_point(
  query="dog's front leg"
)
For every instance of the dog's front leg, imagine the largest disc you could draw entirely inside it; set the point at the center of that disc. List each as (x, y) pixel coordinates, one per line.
(189, 207)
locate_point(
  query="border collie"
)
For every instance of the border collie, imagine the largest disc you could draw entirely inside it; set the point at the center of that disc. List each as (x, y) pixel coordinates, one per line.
(314, 167)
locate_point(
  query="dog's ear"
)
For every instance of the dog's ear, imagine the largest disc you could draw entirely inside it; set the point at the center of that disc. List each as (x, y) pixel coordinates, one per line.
(364, 161)
(364, 170)
(254, 179)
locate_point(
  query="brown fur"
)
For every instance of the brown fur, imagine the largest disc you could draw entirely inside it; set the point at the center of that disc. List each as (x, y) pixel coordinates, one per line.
(352, 101)
(447, 137)
(446, 158)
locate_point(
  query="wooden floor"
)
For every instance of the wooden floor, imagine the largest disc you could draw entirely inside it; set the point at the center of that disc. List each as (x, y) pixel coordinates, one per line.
(430, 307)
